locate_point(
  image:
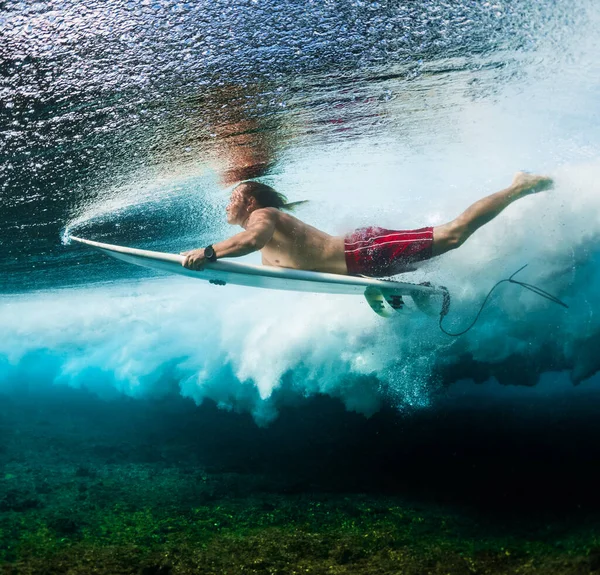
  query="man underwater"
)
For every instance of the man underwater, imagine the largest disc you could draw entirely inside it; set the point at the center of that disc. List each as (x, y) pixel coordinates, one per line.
(285, 241)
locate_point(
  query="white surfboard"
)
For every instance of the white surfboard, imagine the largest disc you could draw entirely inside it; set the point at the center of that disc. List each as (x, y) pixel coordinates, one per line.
(384, 296)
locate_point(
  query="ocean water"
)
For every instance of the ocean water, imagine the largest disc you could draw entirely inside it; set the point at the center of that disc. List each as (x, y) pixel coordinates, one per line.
(154, 424)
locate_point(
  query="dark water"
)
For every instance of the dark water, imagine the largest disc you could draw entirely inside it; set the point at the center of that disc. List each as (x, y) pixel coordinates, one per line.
(152, 425)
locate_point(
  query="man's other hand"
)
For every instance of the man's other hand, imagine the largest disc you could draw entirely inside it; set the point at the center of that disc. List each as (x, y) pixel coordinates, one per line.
(194, 259)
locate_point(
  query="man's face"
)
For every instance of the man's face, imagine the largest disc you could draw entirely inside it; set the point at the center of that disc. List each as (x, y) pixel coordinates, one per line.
(237, 209)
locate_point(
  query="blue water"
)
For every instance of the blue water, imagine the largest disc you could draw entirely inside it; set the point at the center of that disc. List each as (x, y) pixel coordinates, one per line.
(130, 121)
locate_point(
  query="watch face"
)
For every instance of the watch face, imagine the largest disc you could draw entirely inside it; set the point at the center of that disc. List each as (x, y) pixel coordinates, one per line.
(209, 253)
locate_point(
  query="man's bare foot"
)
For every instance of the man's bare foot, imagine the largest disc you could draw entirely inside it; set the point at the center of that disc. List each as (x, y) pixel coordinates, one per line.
(527, 183)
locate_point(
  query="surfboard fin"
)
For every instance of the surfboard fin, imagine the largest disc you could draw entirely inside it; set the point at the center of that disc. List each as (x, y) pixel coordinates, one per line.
(394, 299)
(425, 302)
(383, 302)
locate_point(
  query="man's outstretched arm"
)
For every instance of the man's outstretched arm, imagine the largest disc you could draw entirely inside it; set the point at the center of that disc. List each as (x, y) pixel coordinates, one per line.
(259, 231)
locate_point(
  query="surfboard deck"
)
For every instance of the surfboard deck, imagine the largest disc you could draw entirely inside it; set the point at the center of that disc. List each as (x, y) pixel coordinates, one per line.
(225, 272)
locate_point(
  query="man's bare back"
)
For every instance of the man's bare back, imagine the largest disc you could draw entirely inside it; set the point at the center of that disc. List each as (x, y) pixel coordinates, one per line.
(286, 241)
(297, 245)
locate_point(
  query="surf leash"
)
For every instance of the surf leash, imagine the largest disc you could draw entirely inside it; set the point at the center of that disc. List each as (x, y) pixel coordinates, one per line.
(534, 289)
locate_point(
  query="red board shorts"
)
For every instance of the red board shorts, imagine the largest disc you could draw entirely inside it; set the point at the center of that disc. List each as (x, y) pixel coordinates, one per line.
(378, 252)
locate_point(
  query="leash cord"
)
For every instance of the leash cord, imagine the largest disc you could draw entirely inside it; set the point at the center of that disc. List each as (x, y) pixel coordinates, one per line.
(532, 288)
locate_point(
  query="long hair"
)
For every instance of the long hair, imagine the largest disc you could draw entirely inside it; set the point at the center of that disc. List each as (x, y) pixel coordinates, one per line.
(267, 197)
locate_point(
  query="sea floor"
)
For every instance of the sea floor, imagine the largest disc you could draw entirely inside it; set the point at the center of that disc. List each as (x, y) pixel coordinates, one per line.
(166, 488)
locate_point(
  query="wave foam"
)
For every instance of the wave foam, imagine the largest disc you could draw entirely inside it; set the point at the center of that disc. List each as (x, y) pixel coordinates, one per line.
(255, 350)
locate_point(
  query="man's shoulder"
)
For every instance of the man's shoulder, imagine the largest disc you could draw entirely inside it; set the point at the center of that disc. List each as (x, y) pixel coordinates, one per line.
(263, 216)
(266, 213)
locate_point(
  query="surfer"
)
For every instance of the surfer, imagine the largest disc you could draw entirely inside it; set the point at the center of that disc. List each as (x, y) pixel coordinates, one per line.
(285, 241)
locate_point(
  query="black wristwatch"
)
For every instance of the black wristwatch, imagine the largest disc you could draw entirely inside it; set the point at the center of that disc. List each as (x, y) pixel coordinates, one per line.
(209, 254)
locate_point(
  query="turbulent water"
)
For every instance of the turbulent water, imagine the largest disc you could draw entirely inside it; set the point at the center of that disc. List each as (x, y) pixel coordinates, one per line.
(129, 122)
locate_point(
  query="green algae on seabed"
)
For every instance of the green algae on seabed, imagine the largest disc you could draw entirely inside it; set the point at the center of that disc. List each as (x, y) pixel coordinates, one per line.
(142, 519)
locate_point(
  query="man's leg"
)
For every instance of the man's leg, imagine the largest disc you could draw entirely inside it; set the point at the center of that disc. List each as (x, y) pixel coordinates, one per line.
(453, 234)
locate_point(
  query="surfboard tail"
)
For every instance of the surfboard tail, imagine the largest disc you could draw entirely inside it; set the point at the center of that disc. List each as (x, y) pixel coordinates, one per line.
(385, 302)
